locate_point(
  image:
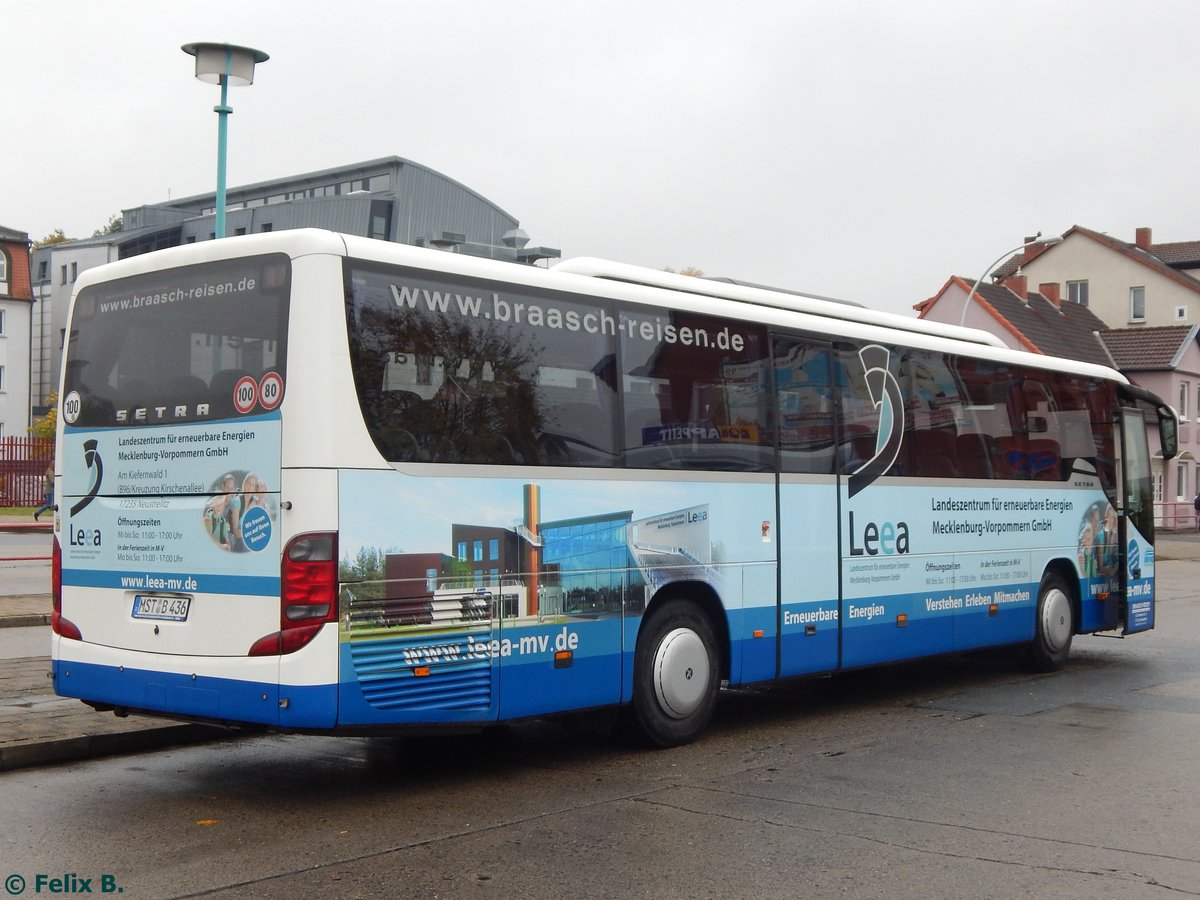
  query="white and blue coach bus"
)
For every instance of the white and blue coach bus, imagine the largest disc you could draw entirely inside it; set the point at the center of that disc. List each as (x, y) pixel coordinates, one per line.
(323, 483)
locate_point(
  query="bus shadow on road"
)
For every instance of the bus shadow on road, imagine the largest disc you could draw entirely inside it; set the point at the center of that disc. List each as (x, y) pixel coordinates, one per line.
(903, 685)
(596, 739)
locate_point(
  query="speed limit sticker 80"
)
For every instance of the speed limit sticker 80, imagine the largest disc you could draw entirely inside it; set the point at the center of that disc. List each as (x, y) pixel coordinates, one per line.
(270, 390)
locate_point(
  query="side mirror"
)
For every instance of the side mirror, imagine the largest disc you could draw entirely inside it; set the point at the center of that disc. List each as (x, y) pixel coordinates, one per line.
(1168, 432)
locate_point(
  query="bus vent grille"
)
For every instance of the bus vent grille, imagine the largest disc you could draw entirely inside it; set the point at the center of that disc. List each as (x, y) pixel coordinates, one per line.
(387, 676)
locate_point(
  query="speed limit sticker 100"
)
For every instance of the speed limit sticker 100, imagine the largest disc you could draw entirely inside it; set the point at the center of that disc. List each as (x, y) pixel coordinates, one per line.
(245, 394)
(71, 407)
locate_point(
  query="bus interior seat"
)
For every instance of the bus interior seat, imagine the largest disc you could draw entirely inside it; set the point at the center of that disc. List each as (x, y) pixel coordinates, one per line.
(133, 392)
(974, 458)
(222, 384)
(1009, 457)
(189, 389)
(1044, 460)
(935, 453)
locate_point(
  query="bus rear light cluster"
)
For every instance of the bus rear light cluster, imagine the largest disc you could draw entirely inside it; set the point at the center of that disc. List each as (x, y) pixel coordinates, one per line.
(308, 594)
(60, 626)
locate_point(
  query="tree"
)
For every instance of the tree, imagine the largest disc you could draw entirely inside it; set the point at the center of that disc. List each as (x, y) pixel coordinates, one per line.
(45, 426)
(113, 226)
(686, 270)
(54, 237)
(365, 572)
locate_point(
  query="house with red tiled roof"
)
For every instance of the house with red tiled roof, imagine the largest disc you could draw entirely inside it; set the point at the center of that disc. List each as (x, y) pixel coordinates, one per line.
(1135, 308)
(1128, 285)
(16, 303)
(1038, 321)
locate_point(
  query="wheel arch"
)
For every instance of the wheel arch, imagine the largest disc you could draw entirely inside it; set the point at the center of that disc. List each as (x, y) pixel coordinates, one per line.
(1066, 570)
(702, 595)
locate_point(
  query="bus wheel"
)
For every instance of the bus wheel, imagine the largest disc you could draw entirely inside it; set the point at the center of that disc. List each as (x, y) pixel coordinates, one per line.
(1055, 624)
(675, 675)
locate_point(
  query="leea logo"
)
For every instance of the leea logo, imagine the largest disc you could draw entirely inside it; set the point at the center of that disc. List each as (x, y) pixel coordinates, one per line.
(879, 537)
(84, 537)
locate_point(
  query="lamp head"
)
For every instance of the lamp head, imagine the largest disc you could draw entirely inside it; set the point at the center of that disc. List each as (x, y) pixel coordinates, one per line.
(216, 60)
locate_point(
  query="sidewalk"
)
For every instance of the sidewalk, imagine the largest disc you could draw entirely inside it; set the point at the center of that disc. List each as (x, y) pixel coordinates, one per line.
(38, 727)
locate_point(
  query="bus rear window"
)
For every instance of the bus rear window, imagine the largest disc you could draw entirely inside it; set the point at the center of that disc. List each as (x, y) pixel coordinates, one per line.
(173, 346)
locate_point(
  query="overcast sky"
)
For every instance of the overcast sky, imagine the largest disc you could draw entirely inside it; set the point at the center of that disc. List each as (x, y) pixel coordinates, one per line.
(864, 149)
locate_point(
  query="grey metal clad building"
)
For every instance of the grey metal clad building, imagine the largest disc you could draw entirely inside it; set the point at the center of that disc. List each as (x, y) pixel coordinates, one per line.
(391, 198)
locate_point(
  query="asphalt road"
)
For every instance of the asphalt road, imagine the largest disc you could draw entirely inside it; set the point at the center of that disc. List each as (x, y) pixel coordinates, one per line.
(954, 778)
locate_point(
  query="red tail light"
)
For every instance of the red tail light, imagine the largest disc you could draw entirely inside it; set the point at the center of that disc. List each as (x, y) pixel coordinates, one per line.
(56, 574)
(64, 627)
(308, 593)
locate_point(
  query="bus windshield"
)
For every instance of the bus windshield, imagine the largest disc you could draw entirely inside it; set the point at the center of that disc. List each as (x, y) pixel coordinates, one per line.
(172, 346)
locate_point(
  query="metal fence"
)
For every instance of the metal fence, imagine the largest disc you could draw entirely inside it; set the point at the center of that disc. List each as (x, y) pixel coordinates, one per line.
(1176, 516)
(23, 462)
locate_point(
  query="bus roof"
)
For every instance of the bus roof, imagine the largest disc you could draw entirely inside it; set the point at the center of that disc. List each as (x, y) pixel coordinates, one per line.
(631, 282)
(745, 292)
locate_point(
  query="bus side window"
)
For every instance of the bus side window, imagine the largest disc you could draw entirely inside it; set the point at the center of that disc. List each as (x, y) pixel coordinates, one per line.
(805, 403)
(1086, 428)
(935, 412)
(860, 416)
(709, 379)
(1044, 451)
(578, 408)
(985, 436)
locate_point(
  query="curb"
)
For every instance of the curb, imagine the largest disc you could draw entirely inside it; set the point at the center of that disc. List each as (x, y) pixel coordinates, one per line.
(21, 616)
(74, 749)
(25, 621)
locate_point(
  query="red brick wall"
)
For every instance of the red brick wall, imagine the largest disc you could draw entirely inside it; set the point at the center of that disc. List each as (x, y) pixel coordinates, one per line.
(19, 287)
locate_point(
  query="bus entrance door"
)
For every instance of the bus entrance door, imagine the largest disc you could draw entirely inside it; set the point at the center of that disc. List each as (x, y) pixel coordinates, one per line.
(1137, 526)
(808, 508)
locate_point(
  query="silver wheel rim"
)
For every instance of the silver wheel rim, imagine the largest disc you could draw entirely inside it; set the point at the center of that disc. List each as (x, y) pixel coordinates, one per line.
(681, 670)
(1056, 619)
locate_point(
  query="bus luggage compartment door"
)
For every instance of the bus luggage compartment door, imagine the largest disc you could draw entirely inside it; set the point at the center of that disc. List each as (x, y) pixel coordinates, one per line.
(421, 659)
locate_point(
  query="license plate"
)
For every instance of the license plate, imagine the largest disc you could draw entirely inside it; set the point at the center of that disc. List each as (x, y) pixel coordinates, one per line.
(170, 609)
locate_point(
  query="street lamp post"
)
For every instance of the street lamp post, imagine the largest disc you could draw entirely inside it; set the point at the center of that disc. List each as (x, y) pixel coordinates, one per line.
(223, 64)
(1036, 242)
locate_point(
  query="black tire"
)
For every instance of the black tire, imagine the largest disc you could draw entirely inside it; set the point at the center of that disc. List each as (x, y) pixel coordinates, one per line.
(676, 675)
(1055, 624)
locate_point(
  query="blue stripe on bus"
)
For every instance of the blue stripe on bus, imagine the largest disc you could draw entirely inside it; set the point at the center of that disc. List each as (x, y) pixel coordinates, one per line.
(200, 696)
(267, 586)
(883, 629)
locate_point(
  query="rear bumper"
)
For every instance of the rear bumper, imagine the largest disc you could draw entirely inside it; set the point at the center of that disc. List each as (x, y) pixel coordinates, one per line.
(200, 688)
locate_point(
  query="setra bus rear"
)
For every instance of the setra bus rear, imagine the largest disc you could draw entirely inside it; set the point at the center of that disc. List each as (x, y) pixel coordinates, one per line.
(176, 589)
